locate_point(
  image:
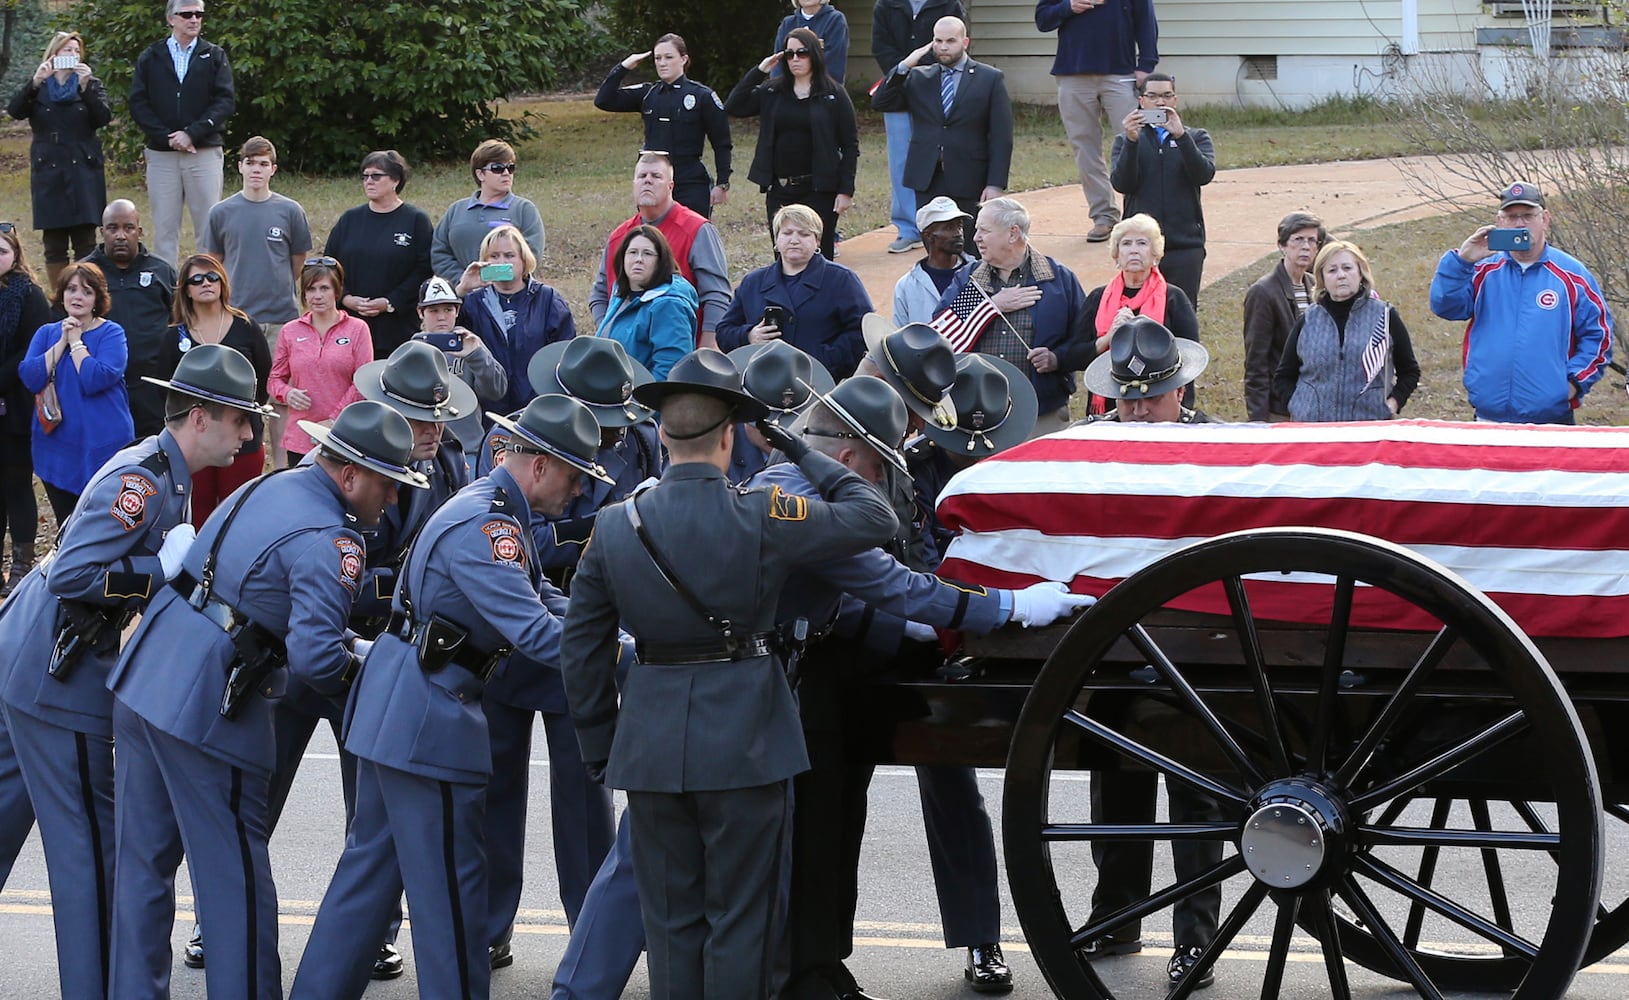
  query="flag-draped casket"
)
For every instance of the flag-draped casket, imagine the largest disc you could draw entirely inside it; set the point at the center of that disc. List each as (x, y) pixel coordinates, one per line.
(1535, 517)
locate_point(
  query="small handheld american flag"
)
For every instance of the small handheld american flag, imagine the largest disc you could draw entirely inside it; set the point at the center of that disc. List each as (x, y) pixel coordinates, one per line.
(964, 320)
(1374, 355)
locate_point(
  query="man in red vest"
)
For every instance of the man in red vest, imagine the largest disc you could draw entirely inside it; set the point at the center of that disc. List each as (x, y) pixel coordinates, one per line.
(697, 248)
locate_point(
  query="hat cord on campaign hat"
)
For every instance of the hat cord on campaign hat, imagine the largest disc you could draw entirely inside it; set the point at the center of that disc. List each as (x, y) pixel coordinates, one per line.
(1141, 382)
(436, 406)
(982, 433)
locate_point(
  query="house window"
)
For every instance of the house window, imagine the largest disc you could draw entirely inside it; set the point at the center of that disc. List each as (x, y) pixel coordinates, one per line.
(1261, 67)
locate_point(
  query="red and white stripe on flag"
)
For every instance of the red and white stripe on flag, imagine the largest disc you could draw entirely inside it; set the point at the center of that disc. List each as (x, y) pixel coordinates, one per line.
(1535, 517)
(965, 318)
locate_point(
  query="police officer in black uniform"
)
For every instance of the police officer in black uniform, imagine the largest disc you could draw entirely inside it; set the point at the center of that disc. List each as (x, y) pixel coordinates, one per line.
(680, 114)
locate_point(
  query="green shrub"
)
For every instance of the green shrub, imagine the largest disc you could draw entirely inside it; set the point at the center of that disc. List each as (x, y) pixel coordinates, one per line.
(328, 82)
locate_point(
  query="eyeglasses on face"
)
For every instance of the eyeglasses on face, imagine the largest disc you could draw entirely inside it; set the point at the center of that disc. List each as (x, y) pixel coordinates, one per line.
(374, 175)
(323, 261)
(191, 15)
(200, 277)
(500, 168)
(797, 53)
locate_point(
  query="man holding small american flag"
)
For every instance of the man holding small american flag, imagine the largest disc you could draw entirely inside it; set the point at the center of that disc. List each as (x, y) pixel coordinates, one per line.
(1021, 306)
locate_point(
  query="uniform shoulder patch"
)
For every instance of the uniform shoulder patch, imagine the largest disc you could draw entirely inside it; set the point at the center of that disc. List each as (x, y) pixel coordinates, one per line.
(496, 444)
(351, 559)
(130, 506)
(784, 506)
(718, 101)
(507, 548)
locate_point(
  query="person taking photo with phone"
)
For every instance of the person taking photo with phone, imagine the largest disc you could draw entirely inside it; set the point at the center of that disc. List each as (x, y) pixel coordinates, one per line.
(1159, 164)
(512, 312)
(1536, 338)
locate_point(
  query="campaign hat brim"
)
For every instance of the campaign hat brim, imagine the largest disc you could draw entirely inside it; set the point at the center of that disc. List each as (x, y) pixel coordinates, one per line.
(541, 372)
(891, 454)
(326, 437)
(369, 381)
(236, 402)
(820, 378)
(1099, 376)
(1013, 429)
(518, 432)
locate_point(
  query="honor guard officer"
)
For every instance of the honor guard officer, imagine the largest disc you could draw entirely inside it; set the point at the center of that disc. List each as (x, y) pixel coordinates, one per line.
(680, 115)
(470, 593)
(860, 424)
(59, 636)
(597, 372)
(705, 736)
(785, 380)
(195, 687)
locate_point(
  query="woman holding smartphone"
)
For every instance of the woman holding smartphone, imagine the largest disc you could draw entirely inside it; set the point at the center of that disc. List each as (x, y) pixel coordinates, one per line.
(652, 312)
(65, 106)
(512, 312)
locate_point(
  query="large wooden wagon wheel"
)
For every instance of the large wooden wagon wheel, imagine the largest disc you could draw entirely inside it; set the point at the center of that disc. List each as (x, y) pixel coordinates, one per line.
(1316, 781)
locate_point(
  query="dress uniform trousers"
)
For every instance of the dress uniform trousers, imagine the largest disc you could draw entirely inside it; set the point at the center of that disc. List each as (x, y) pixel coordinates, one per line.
(608, 935)
(1125, 870)
(16, 812)
(961, 846)
(220, 816)
(693, 185)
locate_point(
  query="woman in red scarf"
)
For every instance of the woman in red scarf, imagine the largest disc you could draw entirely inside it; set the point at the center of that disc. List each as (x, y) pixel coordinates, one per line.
(1136, 244)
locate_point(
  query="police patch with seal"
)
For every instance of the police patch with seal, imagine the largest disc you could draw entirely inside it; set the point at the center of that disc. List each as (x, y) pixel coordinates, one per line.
(506, 544)
(130, 506)
(785, 506)
(351, 559)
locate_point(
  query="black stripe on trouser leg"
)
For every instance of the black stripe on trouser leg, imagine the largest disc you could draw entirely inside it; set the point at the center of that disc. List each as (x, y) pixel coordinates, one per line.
(252, 964)
(88, 800)
(449, 860)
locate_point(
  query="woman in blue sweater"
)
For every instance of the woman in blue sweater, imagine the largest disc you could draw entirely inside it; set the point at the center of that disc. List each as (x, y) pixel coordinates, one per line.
(81, 360)
(653, 313)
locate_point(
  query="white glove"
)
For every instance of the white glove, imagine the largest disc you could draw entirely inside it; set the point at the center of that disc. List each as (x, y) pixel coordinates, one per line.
(360, 648)
(174, 550)
(1041, 604)
(920, 632)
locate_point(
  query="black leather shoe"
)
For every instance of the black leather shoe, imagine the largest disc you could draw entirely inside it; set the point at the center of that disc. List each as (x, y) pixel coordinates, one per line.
(1186, 957)
(193, 955)
(389, 963)
(986, 970)
(500, 956)
(859, 994)
(1108, 947)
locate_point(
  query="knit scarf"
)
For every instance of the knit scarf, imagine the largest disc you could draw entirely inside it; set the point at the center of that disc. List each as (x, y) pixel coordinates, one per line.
(65, 92)
(1149, 300)
(13, 290)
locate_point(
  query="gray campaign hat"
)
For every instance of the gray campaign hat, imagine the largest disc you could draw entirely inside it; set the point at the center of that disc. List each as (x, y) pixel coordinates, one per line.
(710, 373)
(595, 371)
(781, 377)
(873, 411)
(215, 373)
(373, 436)
(1144, 360)
(918, 362)
(557, 425)
(995, 408)
(416, 382)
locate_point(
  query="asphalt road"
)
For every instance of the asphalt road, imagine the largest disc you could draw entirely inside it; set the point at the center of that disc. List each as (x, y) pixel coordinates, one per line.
(899, 953)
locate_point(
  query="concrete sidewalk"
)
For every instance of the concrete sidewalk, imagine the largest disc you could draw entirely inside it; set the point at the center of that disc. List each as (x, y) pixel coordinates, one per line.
(1242, 209)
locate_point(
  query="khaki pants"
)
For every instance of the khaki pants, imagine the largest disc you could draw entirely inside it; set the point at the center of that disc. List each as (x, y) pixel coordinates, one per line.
(1085, 103)
(172, 178)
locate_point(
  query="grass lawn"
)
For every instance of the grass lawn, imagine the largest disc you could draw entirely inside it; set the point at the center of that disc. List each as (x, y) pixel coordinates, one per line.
(578, 170)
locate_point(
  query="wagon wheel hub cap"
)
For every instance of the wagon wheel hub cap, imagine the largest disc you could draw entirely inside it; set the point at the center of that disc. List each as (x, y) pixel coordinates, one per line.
(1293, 835)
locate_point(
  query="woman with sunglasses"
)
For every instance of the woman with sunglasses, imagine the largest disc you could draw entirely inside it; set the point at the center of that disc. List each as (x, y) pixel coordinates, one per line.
(203, 314)
(317, 355)
(385, 247)
(467, 222)
(23, 310)
(808, 140)
(81, 361)
(65, 106)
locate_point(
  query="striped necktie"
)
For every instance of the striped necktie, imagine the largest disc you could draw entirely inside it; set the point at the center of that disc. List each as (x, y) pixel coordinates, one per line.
(947, 87)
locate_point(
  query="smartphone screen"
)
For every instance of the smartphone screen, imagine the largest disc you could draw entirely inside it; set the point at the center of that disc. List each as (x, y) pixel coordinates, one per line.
(498, 272)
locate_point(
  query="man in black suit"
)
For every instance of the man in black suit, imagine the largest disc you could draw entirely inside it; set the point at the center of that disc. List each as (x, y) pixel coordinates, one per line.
(961, 121)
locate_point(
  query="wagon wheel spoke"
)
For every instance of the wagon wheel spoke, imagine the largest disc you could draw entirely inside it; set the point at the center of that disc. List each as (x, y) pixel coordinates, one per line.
(1340, 619)
(1244, 623)
(1152, 759)
(1283, 930)
(1400, 701)
(1492, 736)
(1323, 920)
(1421, 895)
(1421, 836)
(1536, 823)
(1490, 866)
(1428, 871)
(1189, 698)
(1246, 908)
(1169, 896)
(1617, 810)
(1166, 832)
(1394, 809)
(1376, 924)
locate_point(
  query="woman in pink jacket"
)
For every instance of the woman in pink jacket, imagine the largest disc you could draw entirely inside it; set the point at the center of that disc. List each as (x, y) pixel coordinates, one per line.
(317, 355)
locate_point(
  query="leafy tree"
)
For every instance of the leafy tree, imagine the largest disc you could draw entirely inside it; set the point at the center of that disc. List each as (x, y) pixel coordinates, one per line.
(327, 81)
(724, 37)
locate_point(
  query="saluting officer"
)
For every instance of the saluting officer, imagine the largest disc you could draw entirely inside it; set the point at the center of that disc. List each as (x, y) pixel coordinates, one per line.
(194, 690)
(785, 380)
(470, 593)
(597, 372)
(680, 114)
(59, 636)
(705, 735)
(860, 424)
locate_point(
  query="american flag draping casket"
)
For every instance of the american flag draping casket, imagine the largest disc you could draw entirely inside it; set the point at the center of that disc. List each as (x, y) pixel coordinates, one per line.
(1535, 517)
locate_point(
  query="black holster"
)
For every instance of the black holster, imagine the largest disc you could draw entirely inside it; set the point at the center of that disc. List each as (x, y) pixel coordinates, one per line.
(84, 628)
(258, 654)
(794, 640)
(441, 641)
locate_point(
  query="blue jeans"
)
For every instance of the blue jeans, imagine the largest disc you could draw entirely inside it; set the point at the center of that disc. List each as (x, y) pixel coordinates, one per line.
(902, 206)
